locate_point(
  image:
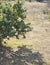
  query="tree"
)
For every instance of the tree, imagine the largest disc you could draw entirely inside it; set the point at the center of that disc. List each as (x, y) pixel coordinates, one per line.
(20, 25)
(12, 21)
(5, 21)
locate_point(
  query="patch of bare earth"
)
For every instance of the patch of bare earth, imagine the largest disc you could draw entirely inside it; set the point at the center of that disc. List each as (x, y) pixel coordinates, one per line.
(40, 35)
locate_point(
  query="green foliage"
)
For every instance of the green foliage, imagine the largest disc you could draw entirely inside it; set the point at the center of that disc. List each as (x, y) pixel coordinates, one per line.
(45, 11)
(20, 10)
(49, 16)
(29, 0)
(12, 20)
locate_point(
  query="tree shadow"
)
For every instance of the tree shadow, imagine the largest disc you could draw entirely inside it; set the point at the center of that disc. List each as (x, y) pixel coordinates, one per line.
(4, 54)
(39, 0)
(23, 56)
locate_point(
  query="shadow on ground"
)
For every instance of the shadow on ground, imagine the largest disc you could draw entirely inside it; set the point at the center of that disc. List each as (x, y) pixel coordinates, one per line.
(23, 56)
